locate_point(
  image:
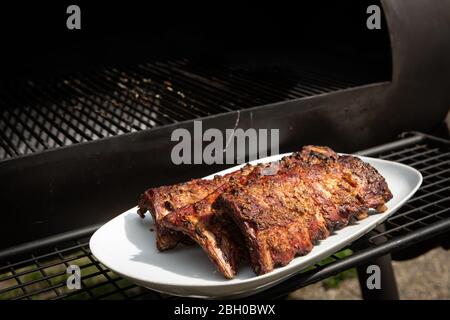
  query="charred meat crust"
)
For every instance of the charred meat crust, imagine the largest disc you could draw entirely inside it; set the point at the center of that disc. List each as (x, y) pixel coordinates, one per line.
(164, 200)
(215, 232)
(211, 231)
(283, 216)
(269, 213)
(218, 236)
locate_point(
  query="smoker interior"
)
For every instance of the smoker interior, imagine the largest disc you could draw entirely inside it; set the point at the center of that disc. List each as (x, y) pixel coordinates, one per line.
(174, 67)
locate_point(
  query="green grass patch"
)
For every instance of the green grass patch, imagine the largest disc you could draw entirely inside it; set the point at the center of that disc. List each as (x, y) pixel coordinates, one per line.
(334, 281)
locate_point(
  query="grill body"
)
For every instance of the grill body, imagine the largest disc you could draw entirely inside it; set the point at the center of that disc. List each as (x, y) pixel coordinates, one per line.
(61, 188)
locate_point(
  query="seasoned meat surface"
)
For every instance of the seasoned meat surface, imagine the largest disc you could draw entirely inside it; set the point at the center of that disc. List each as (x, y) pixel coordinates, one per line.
(284, 215)
(213, 231)
(268, 213)
(165, 199)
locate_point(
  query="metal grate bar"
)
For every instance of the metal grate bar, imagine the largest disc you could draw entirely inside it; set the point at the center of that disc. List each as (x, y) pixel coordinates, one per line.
(238, 83)
(20, 138)
(137, 111)
(435, 192)
(86, 289)
(209, 84)
(251, 91)
(202, 102)
(415, 156)
(155, 103)
(235, 79)
(68, 111)
(138, 119)
(436, 174)
(89, 104)
(197, 87)
(72, 108)
(40, 257)
(45, 277)
(50, 116)
(303, 85)
(41, 267)
(176, 98)
(406, 225)
(21, 286)
(122, 292)
(6, 149)
(403, 151)
(16, 120)
(432, 202)
(173, 110)
(106, 112)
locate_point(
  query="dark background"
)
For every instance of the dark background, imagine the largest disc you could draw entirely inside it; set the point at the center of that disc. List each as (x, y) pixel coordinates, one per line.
(35, 40)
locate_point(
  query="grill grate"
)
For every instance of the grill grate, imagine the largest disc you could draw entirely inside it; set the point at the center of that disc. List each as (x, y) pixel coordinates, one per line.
(431, 203)
(43, 276)
(45, 114)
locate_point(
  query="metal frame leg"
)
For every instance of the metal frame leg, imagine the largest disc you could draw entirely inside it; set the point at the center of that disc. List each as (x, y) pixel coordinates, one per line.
(388, 290)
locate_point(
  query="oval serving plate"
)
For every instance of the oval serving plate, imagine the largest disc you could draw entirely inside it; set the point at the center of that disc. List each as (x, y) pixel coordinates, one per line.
(127, 246)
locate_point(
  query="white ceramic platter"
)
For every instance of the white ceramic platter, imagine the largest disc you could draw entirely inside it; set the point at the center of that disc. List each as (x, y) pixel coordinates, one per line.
(127, 246)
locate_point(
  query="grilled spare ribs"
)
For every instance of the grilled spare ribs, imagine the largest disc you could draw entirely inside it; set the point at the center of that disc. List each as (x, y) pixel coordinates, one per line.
(166, 199)
(269, 213)
(214, 231)
(282, 216)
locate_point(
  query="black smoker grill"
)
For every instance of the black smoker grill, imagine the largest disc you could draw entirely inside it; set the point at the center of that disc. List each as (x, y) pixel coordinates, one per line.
(86, 118)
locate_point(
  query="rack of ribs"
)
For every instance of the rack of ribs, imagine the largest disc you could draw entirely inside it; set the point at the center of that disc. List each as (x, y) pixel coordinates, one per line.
(166, 199)
(211, 229)
(284, 215)
(206, 224)
(269, 213)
